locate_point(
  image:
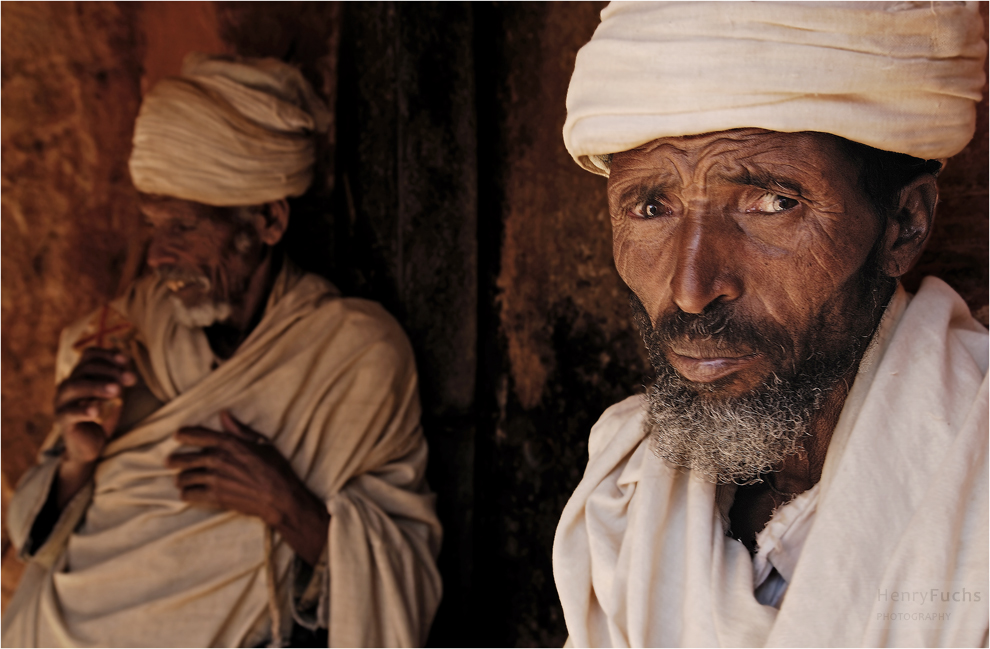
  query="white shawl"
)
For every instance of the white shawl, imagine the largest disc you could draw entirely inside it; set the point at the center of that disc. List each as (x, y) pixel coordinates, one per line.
(898, 551)
(333, 383)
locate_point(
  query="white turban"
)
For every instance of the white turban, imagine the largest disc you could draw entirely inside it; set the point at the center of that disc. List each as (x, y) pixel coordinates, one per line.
(897, 76)
(228, 132)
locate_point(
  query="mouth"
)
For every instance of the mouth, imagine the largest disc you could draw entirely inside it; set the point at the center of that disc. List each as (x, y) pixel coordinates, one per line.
(189, 288)
(176, 285)
(701, 365)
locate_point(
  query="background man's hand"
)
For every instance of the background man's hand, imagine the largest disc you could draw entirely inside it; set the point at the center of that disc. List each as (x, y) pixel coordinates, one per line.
(239, 469)
(82, 414)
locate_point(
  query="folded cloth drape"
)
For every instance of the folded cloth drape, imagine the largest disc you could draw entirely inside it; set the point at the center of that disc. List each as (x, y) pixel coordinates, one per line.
(898, 76)
(332, 382)
(896, 556)
(228, 132)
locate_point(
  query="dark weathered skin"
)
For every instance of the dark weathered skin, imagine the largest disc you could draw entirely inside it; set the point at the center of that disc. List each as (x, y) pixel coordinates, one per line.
(238, 469)
(101, 374)
(235, 468)
(776, 224)
(233, 252)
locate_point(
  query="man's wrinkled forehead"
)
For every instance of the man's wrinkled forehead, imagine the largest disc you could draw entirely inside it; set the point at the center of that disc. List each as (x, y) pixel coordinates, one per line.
(748, 156)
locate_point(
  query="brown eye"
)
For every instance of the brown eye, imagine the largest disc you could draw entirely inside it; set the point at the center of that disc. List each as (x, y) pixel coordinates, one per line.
(650, 209)
(773, 203)
(653, 210)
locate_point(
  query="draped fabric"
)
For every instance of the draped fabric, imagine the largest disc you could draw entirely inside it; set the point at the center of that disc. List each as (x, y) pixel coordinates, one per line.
(897, 553)
(898, 76)
(332, 382)
(228, 132)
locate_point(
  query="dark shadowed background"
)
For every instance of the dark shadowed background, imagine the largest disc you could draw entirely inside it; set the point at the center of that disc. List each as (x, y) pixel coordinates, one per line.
(444, 192)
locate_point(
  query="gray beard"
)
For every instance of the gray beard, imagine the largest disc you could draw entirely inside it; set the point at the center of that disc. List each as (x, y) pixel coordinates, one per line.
(198, 316)
(731, 440)
(201, 315)
(738, 439)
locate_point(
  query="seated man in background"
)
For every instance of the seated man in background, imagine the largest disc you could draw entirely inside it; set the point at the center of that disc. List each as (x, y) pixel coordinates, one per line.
(237, 456)
(810, 465)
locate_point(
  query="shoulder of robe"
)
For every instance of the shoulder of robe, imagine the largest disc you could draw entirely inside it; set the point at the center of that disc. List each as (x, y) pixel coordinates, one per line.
(621, 424)
(949, 310)
(363, 321)
(365, 324)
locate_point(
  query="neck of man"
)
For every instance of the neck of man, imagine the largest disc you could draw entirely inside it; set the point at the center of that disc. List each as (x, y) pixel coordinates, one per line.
(225, 337)
(754, 505)
(802, 470)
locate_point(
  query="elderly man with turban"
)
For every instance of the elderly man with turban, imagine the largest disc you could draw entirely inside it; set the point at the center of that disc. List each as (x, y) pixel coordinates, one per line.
(237, 457)
(810, 465)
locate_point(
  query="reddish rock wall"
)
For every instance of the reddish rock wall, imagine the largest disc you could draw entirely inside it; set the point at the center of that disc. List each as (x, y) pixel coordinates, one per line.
(70, 94)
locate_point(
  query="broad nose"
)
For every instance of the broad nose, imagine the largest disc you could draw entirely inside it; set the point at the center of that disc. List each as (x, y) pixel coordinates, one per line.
(703, 271)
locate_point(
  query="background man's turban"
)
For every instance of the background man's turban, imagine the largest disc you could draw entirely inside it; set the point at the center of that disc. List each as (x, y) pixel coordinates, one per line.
(898, 76)
(228, 132)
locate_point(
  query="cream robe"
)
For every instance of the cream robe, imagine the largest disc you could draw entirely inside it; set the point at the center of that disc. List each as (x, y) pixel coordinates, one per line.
(641, 557)
(332, 382)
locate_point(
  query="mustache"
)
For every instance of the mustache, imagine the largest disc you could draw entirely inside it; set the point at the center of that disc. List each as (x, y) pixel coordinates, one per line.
(176, 277)
(718, 326)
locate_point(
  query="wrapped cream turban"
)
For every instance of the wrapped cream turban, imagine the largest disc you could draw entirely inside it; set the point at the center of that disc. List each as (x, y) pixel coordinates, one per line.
(898, 76)
(228, 132)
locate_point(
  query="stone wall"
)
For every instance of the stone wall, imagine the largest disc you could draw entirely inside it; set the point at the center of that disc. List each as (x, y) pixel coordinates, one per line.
(559, 346)
(71, 233)
(444, 192)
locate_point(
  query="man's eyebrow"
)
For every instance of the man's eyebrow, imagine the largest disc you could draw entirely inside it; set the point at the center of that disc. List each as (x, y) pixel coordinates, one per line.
(645, 190)
(766, 180)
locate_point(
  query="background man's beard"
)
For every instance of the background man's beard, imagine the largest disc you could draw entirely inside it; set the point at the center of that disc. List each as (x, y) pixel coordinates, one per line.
(737, 439)
(200, 315)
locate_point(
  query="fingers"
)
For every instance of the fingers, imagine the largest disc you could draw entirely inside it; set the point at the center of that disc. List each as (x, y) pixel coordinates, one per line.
(105, 363)
(71, 392)
(209, 468)
(78, 410)
(220, 453)
(100, 374)
(238, 429)
(203, 437)
(237, 469)
(213, 478)
(208, 459)
(213, 492)
(235, 433)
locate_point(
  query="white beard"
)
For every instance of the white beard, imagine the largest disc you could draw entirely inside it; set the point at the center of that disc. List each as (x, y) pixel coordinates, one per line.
(201, 315)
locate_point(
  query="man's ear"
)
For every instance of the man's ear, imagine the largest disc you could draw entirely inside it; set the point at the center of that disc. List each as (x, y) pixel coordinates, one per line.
(271, 221)
(909, 226)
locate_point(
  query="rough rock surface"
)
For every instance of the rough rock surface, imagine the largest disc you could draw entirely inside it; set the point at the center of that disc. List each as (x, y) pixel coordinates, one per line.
(70, 94)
